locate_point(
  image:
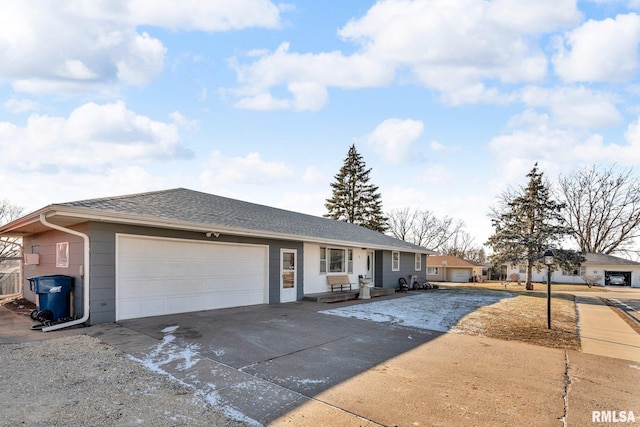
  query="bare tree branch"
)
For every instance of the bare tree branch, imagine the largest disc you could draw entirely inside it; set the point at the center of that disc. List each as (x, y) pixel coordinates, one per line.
(444, 235)
(603, 208)
(9, 247)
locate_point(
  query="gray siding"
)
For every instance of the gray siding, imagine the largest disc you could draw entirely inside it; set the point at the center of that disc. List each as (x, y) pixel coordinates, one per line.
(103, 259)
(385, 278)
(103, 270)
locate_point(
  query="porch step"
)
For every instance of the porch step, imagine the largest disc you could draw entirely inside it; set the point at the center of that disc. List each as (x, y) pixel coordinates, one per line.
(380, 292)
(328, 297)
(332, 296)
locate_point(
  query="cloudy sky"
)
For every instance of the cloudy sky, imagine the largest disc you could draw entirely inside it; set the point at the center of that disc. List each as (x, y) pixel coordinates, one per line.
(448, 101)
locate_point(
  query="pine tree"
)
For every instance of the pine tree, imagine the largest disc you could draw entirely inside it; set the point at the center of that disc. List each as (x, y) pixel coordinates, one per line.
(354, 199)
(526, 225)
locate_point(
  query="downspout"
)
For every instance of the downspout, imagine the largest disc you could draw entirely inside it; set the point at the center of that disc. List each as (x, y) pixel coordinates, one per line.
(85, 291)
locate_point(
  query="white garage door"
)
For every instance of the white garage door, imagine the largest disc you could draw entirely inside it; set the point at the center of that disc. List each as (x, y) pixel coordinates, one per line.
(156, 276)
(459, 275)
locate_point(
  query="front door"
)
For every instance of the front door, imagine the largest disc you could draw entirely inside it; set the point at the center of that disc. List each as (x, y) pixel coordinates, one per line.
(370, 264)
(288, 277)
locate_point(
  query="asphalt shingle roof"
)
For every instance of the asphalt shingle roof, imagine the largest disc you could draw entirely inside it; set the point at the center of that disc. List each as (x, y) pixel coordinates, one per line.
(189, 206)
(602, 259)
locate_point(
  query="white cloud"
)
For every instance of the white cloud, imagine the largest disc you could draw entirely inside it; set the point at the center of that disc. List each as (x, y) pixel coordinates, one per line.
(206, 15)
(77, 70)
(250, 169)
(305, 76)
(81, 47)
(600, 51)
(20, 105)
(94, 137)
(69, 47)
(393, 139)
(183, 122)
(557, 149)
(575, 106)
(437, 146)
(452, 46)
(145, 59)
(454, 43)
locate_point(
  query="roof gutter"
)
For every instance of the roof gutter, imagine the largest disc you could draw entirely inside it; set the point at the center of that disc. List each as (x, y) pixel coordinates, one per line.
(85, 316)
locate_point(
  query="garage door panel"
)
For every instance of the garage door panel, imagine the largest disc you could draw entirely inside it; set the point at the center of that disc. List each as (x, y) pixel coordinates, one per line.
(459, 275)
(167, 276)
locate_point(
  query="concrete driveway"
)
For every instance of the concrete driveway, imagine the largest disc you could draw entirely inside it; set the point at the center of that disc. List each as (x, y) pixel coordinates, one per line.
(290, 364)
(289, 345)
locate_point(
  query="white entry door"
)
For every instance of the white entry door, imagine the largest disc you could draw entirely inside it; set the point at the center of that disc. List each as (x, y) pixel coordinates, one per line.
(288, 277)
(370, 264)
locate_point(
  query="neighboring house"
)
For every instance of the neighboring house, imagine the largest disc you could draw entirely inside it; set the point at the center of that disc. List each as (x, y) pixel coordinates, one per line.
(180, 250)
(608, 268)
(447, 268)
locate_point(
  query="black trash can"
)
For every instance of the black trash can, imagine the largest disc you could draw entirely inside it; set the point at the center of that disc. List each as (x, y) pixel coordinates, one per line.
(53, 293)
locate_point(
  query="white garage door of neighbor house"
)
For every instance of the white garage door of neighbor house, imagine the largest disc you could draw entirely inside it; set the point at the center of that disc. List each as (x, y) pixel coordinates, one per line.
(156, 276)
(460, 275)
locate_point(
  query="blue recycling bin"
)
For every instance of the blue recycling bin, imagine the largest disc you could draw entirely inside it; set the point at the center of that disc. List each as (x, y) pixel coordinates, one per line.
(53, 293)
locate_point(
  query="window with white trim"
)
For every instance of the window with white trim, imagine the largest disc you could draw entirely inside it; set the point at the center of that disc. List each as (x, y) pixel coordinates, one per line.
(418, 262)
(395, 261)
(350, 261)
(575, 272)
(432, 270)
(336, 260)
(323, 260)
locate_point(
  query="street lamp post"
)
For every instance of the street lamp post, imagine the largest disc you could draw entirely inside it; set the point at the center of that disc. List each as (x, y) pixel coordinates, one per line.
(548, 260)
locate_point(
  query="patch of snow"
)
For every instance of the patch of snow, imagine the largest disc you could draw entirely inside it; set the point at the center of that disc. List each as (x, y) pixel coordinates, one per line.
(634, 367)
(166, 352)
(217, 351)
(436, 311)
(169, 329)
(307, 381)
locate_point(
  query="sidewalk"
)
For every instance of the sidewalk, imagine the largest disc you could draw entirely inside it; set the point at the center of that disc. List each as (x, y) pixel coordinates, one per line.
(604, 333)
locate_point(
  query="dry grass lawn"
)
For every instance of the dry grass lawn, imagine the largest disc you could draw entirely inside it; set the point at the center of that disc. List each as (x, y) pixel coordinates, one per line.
(524, 317)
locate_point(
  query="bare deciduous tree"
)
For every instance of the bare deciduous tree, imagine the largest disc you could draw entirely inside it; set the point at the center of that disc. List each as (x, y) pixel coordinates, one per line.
(401, 223)
(463, 245)
(603, 208)
(422, 228)
(9, 247)
(445, 235)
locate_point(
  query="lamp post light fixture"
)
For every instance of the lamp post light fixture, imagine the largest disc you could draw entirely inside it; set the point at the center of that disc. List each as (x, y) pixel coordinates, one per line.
(548, 261)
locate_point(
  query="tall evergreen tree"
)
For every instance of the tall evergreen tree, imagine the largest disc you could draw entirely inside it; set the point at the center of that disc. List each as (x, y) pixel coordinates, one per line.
(354, 199)
(527, 223)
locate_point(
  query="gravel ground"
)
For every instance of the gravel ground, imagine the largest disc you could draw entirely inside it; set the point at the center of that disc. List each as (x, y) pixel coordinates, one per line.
(44, 383)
